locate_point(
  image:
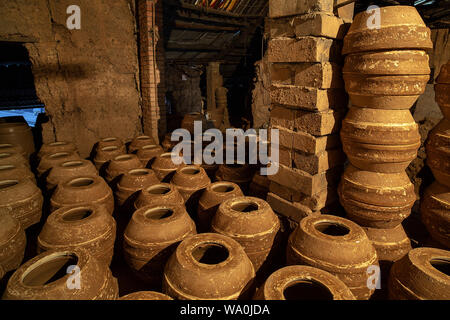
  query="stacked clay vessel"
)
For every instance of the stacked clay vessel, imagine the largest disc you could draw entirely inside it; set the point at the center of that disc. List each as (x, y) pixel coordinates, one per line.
(435, 206)
(386, 70)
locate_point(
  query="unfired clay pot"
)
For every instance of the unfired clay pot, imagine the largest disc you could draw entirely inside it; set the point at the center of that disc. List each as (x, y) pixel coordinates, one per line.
(303, 283)
(68, 170)
(49, 161)
(146, 295)
(164, 167)
(18, 133)
(208, 266)
(423, 274)
(13, 148)
(12, 172)
(336, 245)
(13, 158)
(251, 222)
(442, 90)
(190, 180)
(106, 154)
(12, 242)
(83, 191)
(132, 182)
(55, 147)
(435, 209)
(241, 174)
(160, 194)
(212, 197)
(376, 200)
(380, 140)
(120, 165)
(189, 119)
(22, 199)
(139, 142)
(438, 152)
(148, 153)
(390, 244)
(151, 237)
(45, 277)
(88, 227)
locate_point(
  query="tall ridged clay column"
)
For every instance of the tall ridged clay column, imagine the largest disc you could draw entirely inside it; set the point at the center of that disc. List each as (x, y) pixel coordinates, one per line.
(386, 70)
(435, 206)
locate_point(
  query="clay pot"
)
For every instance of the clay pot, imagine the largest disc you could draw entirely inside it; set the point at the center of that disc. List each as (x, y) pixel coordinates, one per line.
(376, 200)
(68, 170)
(401, 27)
(336, 245)
(22, 199)
(189, 119)
(151, 237)
(423, 274)
(110, 141)
(13, 158)
(13, 148)
(167, 143)
(106, 154)
(16, 172)
(120, 165)
(251, 222)
(387, 79)
(139, 142)
(56, 147)
(146, 295)
(148, 153)
(442, 90)
(18, 133)
(438, 152)
(380, 140)
(303, 283)
(164, 167)
(12, 242)
(86, 190)
(45, 277)
(159, 194)
(241, 174)
(132, 182)
(88, 227)
(212, 197)
(49, 161)
(390, 244)
(190, 180)
(208, 266)
(434, 209)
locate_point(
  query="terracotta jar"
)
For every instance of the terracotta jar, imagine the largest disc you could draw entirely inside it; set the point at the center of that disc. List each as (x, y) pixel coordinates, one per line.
(438, 152)
(22, 199)
(12, 172)
(133, 181)
(336, 245)
(120, 165)
(148, 153)
(49, 161)
(442, 90)
(152, 235)
(13, 158)
(164, 167)
(55, 147)
(13, 148)
(18, 133)
(45, 277)
(209, 266)
(241, 174)
(159, 194)
(146, 295)
(12, 242)
(423, 274)
(376, 200)
(212, 197)
(68, 170)
(386, 79)
(303, 283)
(88, 227)
(189, 119)
(139, 142)
(394, 32)
(190, 180)
(106, 154)
(110, 141)
(251, 222)
(380, 140)
(434, 209)
(86, 190)
(390, 244)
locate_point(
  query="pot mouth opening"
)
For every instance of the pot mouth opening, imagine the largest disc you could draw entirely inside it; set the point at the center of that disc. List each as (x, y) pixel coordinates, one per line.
(143, 138)
(191, 171)
(49, 269)
(334, 229)
(58, 143)
(111, 139)
(223, 188)
(8, 183)
(110, 148)
(442, 265)
(123, 157)
(6, 145)
(166, 155)
(58, 155)
(138, 172)
(72, 164)
(149, 146)
(158, 213)
(7, 167)
(81, 182)
(77, 214)
(245, 206)
(210, 253)
(305, 289)
(4, 155)
(158, 189)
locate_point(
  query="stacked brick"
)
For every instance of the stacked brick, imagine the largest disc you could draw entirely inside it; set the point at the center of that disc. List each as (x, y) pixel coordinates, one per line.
(435, 206)
(308, 103)
(386, 69)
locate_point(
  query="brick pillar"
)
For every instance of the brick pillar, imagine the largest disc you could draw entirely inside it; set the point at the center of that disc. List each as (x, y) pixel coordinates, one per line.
(152, 67)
